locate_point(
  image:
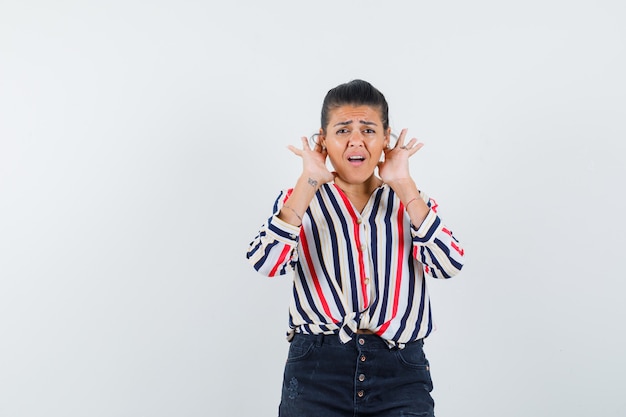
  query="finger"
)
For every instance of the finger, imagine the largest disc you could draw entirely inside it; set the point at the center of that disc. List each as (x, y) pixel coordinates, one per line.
(319, 148)
(414, 149)
(400, 141)
(411, 143)
(295, 150)
(305, 143)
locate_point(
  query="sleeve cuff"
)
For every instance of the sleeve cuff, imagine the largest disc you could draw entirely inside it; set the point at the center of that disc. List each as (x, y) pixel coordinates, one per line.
(426, 231)
(282, 231)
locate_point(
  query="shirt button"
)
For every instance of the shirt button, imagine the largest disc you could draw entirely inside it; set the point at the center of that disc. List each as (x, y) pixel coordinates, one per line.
(363, 248)
(292, 236)
(366, 280)
(362, 358)
(359, 220)
(361, 341)
(361, 393)
(361, 377)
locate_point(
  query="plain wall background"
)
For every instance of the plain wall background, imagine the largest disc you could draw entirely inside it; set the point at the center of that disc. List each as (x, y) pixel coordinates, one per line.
(143, 143)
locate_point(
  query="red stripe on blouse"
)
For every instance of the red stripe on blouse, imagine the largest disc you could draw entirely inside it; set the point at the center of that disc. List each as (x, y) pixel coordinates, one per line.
(280, 261)
(357, 238)
(314, 277)
(433, 205)
(399, 262)
(286, 249)
(456, 247)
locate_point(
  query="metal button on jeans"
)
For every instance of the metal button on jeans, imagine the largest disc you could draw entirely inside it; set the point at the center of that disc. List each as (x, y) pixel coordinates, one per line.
(360, 393)
(362, 358)
(361, 341)
(362, 377)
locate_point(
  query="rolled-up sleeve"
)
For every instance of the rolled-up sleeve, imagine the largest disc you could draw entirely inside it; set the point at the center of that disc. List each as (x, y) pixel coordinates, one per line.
(274, 250)
(435, 246)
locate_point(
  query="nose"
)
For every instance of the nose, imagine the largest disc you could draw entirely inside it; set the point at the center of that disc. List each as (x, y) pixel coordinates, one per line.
(356, 139)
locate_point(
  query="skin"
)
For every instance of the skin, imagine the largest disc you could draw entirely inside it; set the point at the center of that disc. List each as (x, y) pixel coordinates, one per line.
(354, 142)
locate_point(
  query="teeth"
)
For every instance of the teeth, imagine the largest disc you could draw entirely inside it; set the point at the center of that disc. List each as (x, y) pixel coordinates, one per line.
(356, 158)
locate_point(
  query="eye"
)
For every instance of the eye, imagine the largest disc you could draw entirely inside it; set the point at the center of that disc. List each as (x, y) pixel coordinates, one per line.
(369, 131)
(342, 131)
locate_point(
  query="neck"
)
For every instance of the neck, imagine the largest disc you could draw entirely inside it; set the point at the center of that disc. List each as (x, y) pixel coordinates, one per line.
(363, 189)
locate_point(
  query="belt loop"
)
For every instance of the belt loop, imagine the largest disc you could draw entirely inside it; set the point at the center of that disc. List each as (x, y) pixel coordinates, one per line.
(319, 340)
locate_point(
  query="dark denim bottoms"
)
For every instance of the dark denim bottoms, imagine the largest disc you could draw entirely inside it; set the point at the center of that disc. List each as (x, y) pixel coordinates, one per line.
(362, 378)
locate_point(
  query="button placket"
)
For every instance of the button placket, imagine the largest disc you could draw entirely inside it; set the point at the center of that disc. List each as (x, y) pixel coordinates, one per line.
(361, 368)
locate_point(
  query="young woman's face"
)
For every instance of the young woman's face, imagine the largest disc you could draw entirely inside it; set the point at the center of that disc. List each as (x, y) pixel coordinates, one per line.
(355, 139)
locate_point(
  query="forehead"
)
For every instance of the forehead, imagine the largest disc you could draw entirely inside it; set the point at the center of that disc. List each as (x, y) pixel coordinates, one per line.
(355, 114)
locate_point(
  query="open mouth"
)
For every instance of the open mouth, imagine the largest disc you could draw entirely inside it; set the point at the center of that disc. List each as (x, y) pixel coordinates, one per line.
(356, 158)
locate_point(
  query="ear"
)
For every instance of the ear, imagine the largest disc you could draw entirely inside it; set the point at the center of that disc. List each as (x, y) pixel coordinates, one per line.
(387, 137)
(322, 138)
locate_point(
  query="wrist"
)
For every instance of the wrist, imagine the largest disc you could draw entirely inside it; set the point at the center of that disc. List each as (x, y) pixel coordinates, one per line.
(405, 188)
(412, 200)
(309, 182)
(294, 212)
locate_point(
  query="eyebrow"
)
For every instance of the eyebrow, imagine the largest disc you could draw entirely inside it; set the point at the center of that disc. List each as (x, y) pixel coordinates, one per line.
(363, 122)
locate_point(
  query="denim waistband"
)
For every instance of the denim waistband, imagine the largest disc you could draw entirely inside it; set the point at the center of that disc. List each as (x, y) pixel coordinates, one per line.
(372, 341)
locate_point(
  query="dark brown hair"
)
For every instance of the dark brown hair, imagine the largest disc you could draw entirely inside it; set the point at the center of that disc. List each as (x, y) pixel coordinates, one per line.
(356, 93)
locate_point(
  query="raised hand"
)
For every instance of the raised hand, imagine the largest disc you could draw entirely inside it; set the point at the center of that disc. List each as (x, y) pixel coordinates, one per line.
(395, 167)
(313, 162)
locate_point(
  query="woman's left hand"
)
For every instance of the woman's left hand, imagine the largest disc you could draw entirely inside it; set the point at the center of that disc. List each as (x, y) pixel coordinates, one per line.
(395, 167)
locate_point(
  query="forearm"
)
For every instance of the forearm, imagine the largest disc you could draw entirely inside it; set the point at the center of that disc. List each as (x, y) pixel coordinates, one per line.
(413, 202)
(296, 205)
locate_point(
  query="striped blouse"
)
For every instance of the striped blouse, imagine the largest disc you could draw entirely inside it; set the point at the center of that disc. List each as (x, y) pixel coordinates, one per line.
(356, 270)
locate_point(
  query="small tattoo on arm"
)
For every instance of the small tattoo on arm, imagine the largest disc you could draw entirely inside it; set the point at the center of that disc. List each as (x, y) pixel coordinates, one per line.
(312, 182)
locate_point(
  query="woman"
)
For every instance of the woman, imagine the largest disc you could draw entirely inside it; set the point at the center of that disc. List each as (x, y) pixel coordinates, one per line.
(359, 246)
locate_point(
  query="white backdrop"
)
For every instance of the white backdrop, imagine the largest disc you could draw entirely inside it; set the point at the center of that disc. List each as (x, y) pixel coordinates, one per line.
(142, 144)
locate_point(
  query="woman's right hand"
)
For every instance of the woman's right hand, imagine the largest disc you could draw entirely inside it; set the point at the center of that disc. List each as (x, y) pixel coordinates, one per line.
(313, 162)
